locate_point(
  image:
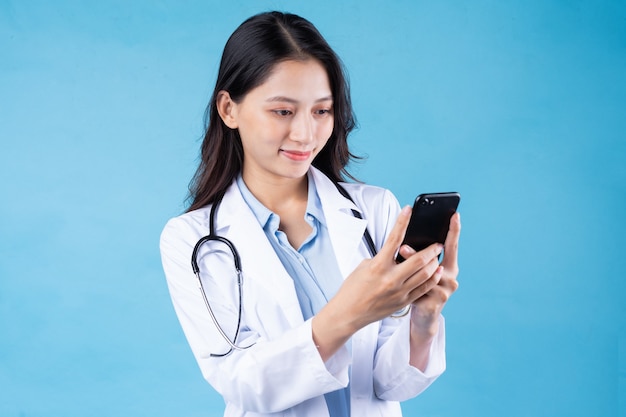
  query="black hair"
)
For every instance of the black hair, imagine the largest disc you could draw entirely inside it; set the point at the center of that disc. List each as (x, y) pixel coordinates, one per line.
(250, 54)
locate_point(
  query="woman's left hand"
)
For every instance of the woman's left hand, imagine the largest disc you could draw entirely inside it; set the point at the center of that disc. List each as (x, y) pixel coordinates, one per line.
(425, 310)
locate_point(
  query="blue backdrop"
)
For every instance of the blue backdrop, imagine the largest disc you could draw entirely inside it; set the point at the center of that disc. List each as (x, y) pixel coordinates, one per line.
(519, 105)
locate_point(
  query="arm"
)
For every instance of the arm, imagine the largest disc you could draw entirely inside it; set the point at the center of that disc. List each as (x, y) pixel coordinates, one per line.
(426, 310)
(424, 328)
(374, 284)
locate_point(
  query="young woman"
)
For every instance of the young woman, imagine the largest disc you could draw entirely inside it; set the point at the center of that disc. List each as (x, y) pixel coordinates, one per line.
(309, 327)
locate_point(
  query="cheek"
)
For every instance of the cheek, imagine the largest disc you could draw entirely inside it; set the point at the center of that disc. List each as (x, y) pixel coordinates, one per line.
(325, 129)
(256, 131)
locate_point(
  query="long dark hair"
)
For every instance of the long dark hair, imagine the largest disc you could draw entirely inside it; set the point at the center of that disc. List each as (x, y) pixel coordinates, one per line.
(250, 54)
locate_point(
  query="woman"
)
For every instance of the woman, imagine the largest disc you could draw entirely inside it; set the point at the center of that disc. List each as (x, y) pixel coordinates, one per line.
(313, 330)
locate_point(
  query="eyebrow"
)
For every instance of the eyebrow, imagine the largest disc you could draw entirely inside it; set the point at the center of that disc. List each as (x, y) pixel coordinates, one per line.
(293, 101)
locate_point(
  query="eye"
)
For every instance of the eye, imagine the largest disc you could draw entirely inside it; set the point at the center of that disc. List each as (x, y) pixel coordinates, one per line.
(282, 112)
(323, 112)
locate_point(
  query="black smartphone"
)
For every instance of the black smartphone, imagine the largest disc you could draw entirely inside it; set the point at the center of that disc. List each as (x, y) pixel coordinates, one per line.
(430, 220)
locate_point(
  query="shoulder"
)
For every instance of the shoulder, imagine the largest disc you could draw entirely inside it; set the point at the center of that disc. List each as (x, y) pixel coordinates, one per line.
(378, 205)
(371, 197)
(362, 194)
(187, 227)
(185, 230)
(366, 191)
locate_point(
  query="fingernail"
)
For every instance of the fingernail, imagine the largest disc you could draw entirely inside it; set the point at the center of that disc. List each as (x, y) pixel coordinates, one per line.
(406, 250)
(406, 211)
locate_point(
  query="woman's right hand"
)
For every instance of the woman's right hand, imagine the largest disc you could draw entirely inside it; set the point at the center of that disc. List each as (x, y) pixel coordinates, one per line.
(377, 288)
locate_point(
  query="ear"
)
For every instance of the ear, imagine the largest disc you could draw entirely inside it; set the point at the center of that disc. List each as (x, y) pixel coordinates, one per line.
(226, 108)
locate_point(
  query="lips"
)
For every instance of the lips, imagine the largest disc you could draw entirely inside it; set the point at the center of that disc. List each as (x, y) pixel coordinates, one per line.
(296, 155)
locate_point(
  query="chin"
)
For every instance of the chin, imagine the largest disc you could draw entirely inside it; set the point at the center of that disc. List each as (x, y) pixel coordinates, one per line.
(294, 173)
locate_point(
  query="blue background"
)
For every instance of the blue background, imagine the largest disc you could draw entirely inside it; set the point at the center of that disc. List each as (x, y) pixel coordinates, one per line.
(519, 105)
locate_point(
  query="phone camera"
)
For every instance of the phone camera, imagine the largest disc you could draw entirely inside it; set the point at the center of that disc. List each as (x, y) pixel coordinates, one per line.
(426, 202)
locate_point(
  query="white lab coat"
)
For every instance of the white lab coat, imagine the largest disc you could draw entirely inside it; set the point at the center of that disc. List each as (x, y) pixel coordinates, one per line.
(283, 374)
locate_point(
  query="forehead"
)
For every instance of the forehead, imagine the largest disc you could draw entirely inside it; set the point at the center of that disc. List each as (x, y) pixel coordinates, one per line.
(296, 79)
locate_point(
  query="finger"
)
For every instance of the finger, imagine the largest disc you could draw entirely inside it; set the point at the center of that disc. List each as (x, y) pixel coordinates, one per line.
(417, 260)
(407, 251)
(427, 285)
(451, 246)
(448, 281)
(444, 290)
(428, 271)
(396, 236)
(449, 284)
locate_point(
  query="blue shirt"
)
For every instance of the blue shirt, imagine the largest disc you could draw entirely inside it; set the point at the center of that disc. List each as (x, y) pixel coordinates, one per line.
(313, 267)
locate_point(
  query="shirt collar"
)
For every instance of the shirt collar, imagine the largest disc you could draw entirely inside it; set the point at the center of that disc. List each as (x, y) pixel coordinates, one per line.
(314, 204)
(261, 212)
(264, 215)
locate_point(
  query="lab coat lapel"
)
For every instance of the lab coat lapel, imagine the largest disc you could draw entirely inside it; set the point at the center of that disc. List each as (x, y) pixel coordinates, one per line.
(345, 230)
(258, 259)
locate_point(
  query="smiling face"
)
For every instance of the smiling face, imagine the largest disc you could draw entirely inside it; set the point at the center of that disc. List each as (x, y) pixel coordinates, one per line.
(284, 122)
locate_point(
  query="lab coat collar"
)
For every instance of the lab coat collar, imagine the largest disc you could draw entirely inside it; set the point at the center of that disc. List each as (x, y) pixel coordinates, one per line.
(345, 230)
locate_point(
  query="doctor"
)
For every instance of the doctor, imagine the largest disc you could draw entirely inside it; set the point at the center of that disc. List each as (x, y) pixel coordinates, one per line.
(314, 325)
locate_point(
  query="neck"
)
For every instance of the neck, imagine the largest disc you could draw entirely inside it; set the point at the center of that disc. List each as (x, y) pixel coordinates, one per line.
(278, 194)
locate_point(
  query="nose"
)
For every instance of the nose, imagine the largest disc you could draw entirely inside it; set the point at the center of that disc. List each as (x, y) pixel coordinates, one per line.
(302, 128)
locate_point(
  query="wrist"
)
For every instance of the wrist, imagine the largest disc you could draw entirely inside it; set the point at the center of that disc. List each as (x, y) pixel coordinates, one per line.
(420, 350)
(424, 327)
(331, 329)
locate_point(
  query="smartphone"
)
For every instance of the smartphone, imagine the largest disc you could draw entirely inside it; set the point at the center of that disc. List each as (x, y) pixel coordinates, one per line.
(430, 220)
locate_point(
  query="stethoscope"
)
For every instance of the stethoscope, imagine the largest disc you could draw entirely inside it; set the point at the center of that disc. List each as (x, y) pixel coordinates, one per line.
(213, 237)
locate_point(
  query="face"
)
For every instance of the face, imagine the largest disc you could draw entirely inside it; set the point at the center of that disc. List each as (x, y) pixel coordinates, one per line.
(284, 122)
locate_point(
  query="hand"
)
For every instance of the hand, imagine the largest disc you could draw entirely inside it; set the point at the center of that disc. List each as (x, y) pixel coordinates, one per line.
(377, 288)
(425, 310)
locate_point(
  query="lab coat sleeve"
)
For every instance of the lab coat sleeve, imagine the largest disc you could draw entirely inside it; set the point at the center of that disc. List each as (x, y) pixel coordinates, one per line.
(273, 374)
(394, 378)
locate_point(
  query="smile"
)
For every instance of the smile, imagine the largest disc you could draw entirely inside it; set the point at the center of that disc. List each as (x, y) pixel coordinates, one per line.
(296, 155)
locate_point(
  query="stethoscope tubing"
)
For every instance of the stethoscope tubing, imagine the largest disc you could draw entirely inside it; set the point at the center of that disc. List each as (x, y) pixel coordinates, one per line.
(212, 236)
